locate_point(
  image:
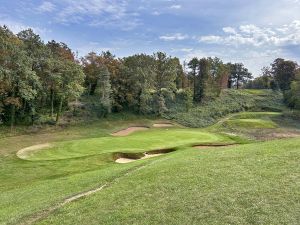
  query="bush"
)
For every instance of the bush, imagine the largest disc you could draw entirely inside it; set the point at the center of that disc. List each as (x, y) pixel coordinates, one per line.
(230, 101)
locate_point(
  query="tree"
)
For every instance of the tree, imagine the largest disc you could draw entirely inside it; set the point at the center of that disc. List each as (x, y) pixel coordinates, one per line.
(164, 81)
(18, 80)
(218, 79)
(61, 50)
(193, 66)
(201, 80)
(283, 72)
(239, 74)
(292, 96)
(265, 81)
(181, 78)
(69, 84)
(138, 76)
(92, 68)
(105, 88)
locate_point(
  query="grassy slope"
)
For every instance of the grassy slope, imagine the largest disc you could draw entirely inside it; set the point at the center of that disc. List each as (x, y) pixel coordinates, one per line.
(250, 184)
(230, 101)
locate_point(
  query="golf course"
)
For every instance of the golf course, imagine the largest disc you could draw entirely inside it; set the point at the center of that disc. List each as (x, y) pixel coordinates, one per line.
(162, 112)
(150, 171)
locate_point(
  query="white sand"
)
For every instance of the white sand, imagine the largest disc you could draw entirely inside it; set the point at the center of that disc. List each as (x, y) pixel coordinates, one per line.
(161, 125)
(127, 160)
(23, 153)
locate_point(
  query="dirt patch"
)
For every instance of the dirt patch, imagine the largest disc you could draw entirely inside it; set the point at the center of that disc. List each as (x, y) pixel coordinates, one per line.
(213, 146)
(128, 131)
(280, 135)
(23, 153)
(161, 125)
(131, 157)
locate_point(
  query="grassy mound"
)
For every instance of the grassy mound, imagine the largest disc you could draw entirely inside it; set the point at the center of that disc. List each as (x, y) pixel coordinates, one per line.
(230, 101)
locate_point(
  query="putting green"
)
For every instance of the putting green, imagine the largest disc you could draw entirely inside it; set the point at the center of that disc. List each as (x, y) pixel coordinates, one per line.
(251, 123)
(141, 141)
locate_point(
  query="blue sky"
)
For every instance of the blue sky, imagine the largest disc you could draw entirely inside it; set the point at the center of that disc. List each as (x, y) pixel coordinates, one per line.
(252, 32)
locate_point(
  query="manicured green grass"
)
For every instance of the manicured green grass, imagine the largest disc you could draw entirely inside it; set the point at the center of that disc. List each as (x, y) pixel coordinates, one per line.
(255, 115)
(28, 187)
(249, 184)
(250, 123)
(142, 141)
(260, 92)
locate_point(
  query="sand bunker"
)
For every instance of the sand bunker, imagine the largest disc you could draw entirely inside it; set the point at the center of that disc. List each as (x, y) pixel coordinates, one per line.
(127, 160)
(161, 125)
(23, 153)
(128, 131)
(212, 146)
(131, 157)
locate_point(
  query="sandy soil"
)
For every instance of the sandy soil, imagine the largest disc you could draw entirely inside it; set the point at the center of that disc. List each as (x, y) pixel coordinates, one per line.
(128, 131)
(23, 153)
(127, 160)
(161, 125)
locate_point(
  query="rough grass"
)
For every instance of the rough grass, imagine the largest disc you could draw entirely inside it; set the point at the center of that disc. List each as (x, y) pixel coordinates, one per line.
(249, 184)
(230, 101)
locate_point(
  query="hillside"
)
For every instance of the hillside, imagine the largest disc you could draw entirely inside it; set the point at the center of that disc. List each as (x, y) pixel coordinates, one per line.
(230, 101)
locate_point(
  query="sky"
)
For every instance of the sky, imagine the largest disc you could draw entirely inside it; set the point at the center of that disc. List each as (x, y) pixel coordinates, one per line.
(252, 32)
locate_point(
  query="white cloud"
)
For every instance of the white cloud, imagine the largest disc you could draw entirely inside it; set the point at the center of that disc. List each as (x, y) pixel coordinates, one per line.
(111, 13)
(175, 7)
(229, 30)
(156, 13)
(211, 39)
(46, 7)
(253, 35)
(174, 37)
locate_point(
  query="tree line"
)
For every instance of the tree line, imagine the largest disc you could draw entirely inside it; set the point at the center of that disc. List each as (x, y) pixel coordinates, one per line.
(281, 75)
(41, 80)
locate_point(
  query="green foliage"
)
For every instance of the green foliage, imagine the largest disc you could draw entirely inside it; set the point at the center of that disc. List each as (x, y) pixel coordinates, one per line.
(284, 73)
(292, 96)
(38, 80)
(230, 101)
(33, 74)
(239, 75)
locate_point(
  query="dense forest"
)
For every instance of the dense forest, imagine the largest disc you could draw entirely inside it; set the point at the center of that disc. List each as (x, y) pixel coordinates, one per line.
(39, 81)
